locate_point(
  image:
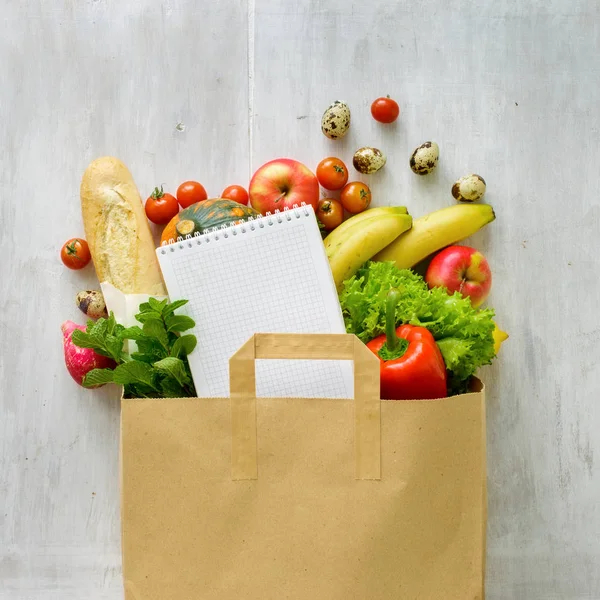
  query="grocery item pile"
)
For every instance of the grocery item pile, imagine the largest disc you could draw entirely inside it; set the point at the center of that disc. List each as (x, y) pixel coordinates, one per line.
(405, 287)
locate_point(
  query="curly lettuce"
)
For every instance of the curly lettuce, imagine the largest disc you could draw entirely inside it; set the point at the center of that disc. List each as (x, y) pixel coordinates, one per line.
(463, 334)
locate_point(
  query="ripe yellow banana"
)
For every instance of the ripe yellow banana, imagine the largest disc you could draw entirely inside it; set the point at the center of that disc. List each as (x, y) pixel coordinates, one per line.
(333, 239)
(435, 231)
(363, 240)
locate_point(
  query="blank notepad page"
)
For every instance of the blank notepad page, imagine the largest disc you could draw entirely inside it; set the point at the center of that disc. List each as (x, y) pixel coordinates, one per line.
(269, 275)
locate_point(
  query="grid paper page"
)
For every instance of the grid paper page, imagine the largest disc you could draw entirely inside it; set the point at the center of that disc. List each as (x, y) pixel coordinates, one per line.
(261, 278)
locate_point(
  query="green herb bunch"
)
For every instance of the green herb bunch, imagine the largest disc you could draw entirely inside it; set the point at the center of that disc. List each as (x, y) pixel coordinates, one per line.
(159, 368)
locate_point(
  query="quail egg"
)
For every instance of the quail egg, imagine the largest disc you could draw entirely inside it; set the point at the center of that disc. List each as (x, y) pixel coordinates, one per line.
(91, 303)
(469, 188)
(368, 160)
(336, 120)
(425, 158)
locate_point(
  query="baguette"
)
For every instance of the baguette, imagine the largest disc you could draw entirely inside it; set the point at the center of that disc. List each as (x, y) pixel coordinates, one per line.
(117, 230)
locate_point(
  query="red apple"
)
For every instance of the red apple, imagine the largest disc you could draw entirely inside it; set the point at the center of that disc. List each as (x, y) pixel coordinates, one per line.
(461, 269)
(283, 183)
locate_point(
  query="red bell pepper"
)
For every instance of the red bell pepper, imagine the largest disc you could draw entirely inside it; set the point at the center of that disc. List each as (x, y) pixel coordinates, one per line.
(412, 366)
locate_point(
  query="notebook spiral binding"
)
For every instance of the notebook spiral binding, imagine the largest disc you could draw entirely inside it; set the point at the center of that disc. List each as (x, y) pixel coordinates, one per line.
(251, 223)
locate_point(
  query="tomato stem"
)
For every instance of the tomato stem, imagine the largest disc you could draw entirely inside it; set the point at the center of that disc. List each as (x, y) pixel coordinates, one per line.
(71, 248)
(156, 194)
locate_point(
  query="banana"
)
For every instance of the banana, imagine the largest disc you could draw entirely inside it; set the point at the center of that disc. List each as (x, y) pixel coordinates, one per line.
(435, 231)
(364, 239)
(339, 233)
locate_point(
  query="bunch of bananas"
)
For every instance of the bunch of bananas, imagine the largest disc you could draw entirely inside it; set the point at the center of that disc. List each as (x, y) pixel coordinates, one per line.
(390, 234)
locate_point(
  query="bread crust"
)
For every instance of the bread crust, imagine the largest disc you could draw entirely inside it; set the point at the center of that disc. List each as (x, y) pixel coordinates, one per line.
(117, 230)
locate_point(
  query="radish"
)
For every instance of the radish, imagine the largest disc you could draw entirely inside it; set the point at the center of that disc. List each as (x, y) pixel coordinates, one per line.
(80, 361)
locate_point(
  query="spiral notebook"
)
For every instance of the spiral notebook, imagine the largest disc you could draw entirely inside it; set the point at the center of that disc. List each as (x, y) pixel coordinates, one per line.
(269, 274)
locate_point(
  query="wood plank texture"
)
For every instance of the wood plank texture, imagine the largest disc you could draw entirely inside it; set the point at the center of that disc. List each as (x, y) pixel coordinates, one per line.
(211, 90)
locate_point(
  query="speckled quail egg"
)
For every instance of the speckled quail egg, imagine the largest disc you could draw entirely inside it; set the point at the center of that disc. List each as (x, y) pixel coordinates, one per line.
(336, 120)
(91, 303)
(368, 160)
(469, 188)
(425, 158)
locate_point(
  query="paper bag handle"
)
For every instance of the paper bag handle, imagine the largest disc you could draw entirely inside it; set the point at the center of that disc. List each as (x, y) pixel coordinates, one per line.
(242, 384)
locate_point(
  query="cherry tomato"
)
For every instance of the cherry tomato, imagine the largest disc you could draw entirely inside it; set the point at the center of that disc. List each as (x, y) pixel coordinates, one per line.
(385, 110)
(161, 207)
(75, 253)
(190, 192)
(330, 212)
(236, 193)
(356, 197)
(332, 173)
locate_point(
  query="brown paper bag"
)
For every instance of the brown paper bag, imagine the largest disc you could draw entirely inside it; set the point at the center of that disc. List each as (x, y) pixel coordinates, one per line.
(303, 499)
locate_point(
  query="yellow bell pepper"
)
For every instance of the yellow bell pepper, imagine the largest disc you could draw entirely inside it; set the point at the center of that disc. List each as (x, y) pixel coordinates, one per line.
(499, 337)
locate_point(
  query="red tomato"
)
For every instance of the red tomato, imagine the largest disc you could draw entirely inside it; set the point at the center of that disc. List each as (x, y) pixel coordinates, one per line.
(236, 193)
(161, 207)
(190, 192)
(332, 173)
(356, 197)
(330, 212)
(75, 253)
(385, 110)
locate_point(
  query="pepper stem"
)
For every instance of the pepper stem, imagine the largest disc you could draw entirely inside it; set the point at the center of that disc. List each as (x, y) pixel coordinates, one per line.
(394, 346)
(391, 337)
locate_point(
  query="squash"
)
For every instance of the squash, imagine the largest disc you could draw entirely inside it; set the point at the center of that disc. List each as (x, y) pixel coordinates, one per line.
(199, 217)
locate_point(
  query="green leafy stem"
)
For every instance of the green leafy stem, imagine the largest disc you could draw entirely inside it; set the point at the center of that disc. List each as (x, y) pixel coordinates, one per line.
(159, 367)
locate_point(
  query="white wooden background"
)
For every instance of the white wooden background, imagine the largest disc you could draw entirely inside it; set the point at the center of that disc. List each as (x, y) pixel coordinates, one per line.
(210, 90)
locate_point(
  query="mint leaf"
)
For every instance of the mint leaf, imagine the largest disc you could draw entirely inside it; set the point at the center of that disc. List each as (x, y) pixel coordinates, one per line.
(114, 346)
(151, 347)
(145, 307)
(98, 377)
(117, 330)
(143, 357)
(151, 315)
(111, 325)
(157, 305)
(171, 389)
(171, 308)
(183, 345)
(179, 323)
(140, 391)
(132, 333)
(85, 340)
(134, 372)
(99, 329)
(155, 328)
(174, 368)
